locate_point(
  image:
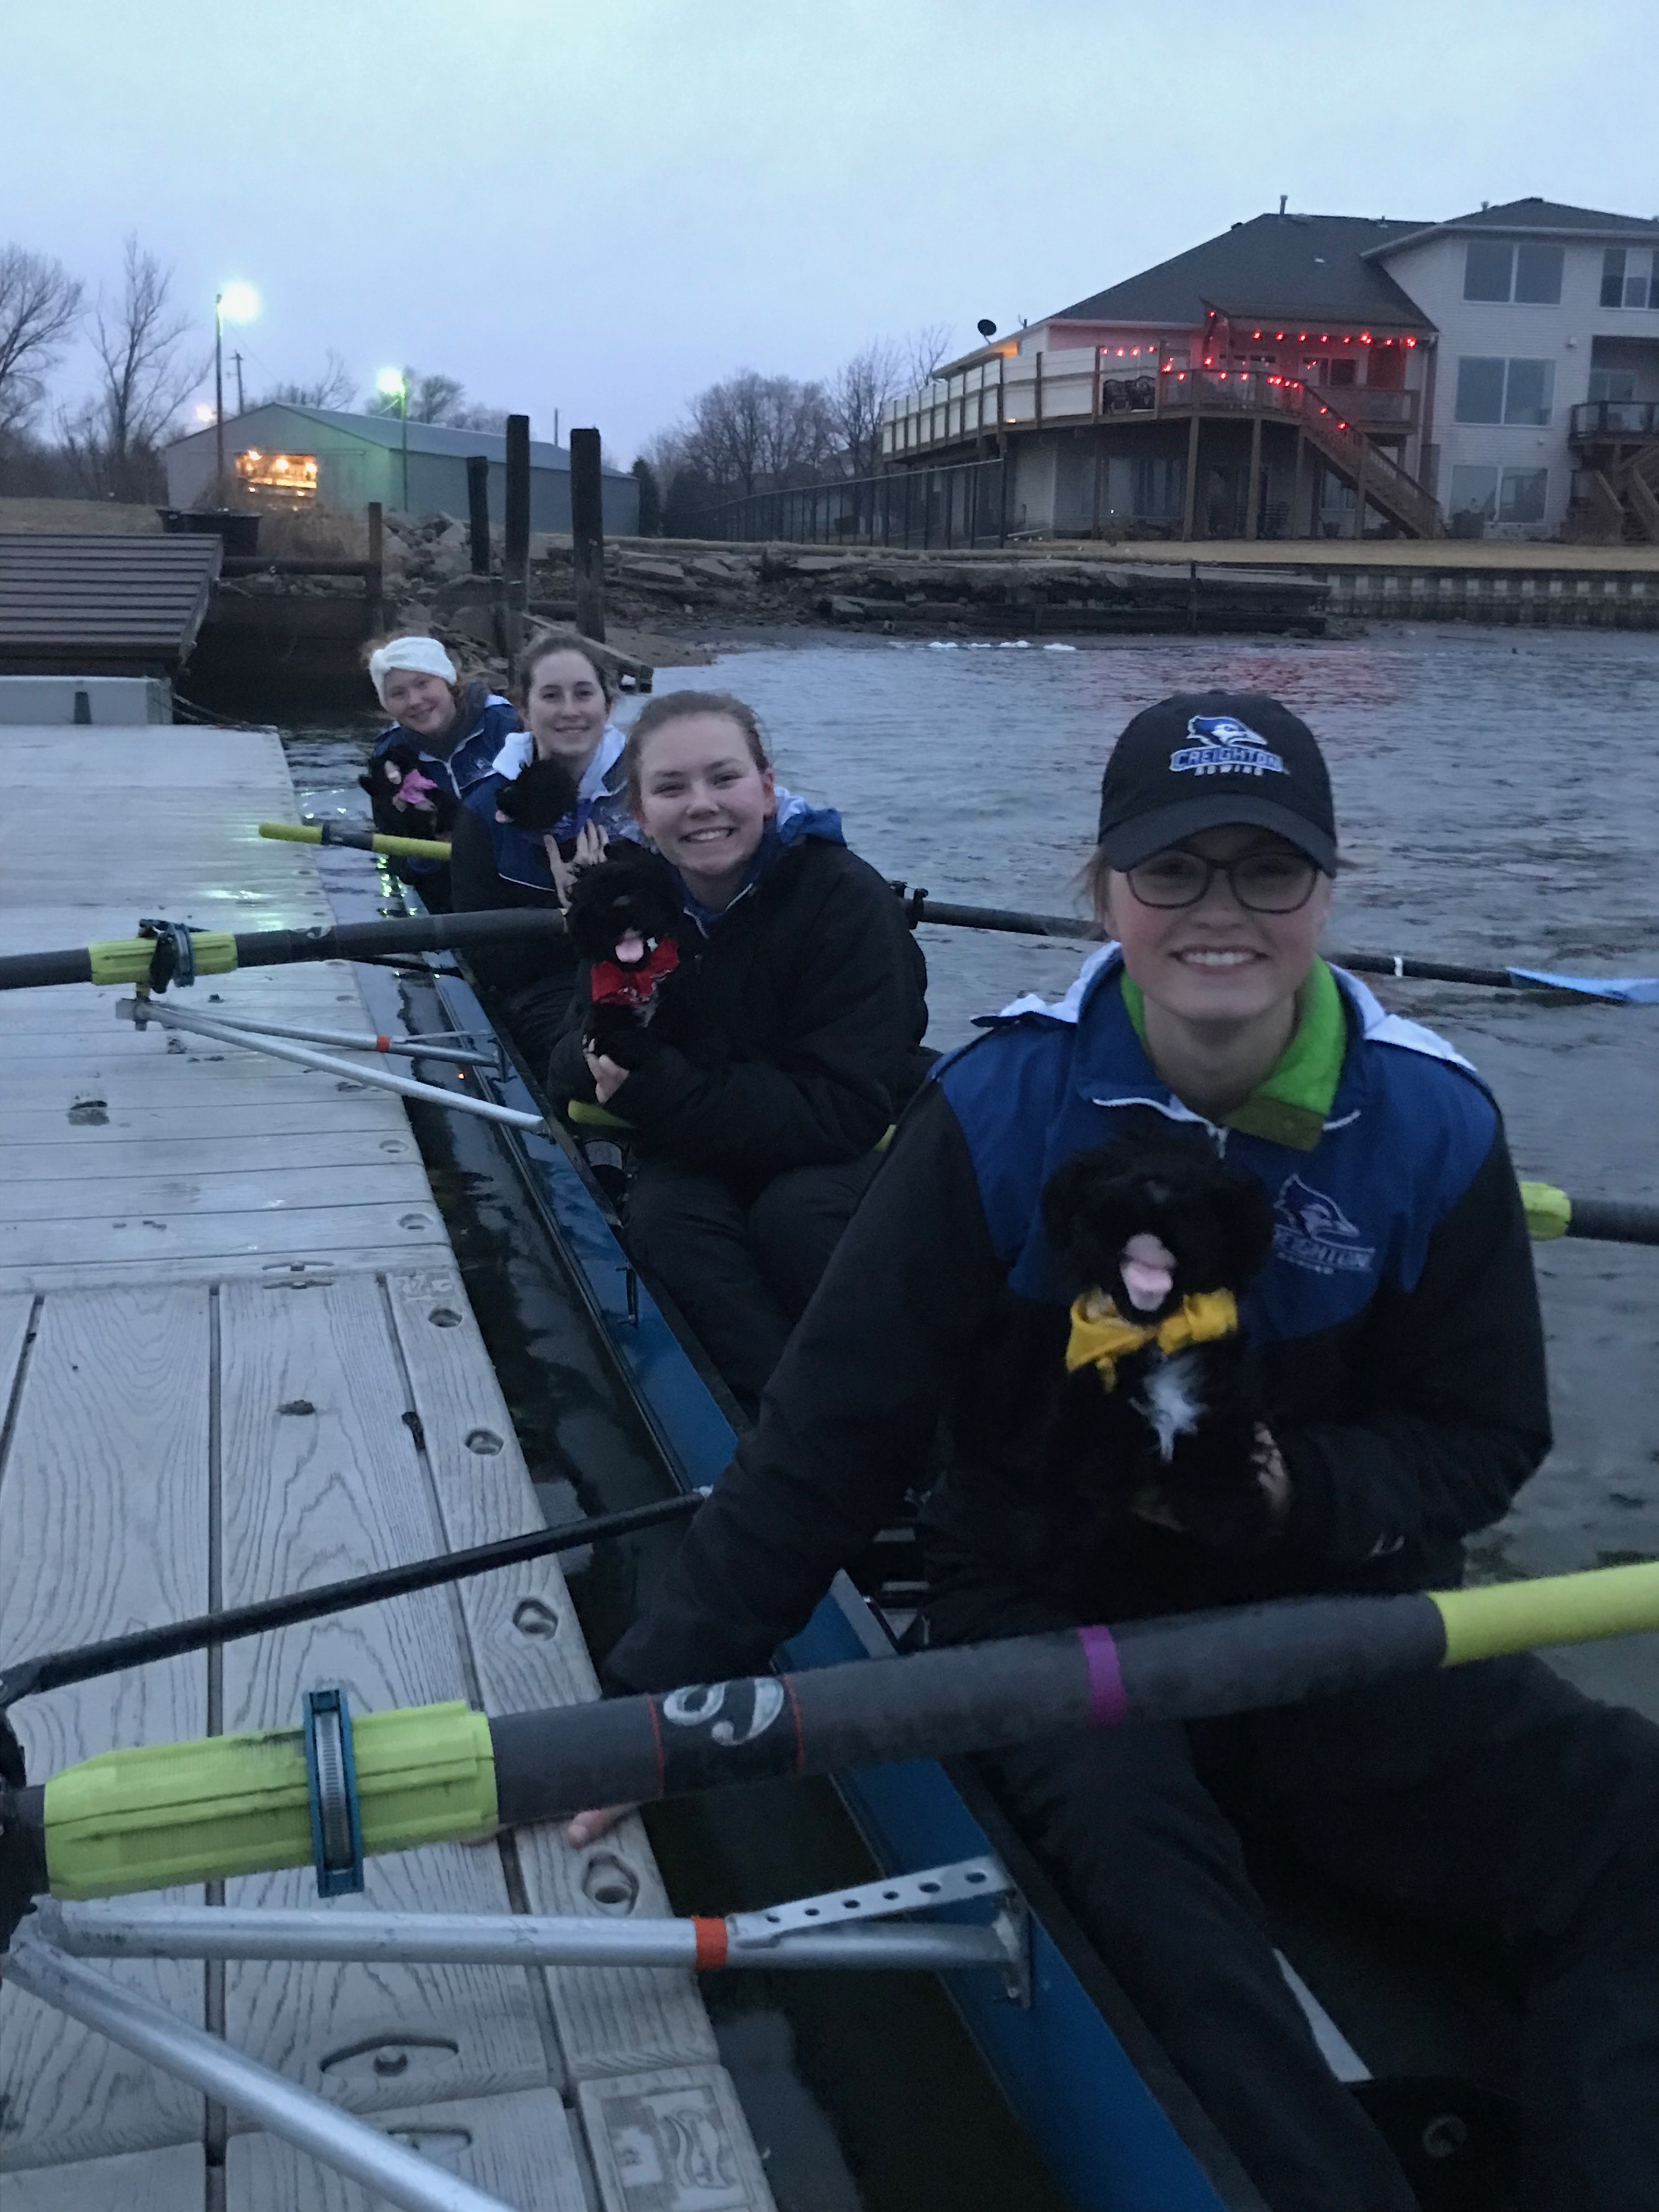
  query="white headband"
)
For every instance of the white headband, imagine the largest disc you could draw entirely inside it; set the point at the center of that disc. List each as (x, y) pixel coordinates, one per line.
(421, 656)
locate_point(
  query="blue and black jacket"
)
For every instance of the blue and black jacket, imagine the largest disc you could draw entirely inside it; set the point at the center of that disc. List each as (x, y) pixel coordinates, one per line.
(490, 720)
(1396, 1320)
(789, 1035)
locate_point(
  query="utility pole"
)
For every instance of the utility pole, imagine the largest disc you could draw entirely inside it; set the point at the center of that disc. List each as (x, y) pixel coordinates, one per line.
(241, 403)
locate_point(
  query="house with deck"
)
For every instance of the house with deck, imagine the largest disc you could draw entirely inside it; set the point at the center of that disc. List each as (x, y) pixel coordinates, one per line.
(1330, 376)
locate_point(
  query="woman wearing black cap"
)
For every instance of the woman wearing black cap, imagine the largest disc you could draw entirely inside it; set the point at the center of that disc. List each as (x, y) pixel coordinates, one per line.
(1403, 1403)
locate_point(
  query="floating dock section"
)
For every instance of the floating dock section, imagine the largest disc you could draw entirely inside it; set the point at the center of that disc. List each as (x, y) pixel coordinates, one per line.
(236, 1359)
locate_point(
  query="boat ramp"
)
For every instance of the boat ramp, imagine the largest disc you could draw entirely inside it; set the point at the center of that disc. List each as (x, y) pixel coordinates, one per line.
(236, 1359)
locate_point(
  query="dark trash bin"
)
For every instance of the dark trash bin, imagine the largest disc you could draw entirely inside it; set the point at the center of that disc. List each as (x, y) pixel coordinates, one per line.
(239, 532)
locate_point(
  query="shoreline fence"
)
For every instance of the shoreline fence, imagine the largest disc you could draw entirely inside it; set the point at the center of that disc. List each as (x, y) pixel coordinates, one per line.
(963, 503)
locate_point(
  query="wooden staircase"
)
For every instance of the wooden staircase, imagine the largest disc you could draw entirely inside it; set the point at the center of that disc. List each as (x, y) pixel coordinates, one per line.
(1378, 481)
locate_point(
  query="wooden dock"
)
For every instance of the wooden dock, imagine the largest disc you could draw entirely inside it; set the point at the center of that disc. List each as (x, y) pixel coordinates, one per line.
(236, 1358)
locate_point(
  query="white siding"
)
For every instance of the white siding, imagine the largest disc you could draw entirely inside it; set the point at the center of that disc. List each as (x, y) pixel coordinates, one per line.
(1432, 274)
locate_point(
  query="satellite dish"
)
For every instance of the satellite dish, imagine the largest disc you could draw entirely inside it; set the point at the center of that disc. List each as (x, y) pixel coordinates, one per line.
(987, 328)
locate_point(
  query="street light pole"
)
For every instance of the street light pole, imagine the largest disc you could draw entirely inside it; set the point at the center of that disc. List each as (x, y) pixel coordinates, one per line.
(233, 303)
(218, 397)
(393, 384)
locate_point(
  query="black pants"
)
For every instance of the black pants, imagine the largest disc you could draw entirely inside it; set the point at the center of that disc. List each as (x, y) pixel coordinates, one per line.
(741, 1269)
(1493, 1797)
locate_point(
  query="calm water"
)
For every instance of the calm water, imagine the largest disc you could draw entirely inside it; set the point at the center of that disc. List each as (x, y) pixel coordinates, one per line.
(1496, 804)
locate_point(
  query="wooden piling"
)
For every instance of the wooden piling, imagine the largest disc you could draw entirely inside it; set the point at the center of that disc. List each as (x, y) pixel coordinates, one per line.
(515, 556)
(588, 531)
(477, 511)
(374, 576)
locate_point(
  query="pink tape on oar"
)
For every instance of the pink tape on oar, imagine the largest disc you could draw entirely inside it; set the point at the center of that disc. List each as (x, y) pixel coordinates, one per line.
(1108, 1704)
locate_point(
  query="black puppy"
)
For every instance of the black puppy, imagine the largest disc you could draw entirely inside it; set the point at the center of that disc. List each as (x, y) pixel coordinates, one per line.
(540, 797)
(402, 792)
(622, 915)
(1157, 1238)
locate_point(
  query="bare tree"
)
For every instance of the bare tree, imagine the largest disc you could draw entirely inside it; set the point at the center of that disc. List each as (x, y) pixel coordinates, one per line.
(925, 349)
(39, 306)
(858, 396)
(336, 387)
(148, 367)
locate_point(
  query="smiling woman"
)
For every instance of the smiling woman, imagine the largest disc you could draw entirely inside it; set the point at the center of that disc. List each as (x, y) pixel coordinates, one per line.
(556, 791)
(782, 1049)
(1390, 1400)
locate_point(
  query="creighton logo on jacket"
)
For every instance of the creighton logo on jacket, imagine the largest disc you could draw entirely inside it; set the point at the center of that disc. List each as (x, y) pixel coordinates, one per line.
(1358, 1186)
(1224, 745)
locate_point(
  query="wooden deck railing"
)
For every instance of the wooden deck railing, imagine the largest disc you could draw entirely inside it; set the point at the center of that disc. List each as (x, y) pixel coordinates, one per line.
(1054, 390)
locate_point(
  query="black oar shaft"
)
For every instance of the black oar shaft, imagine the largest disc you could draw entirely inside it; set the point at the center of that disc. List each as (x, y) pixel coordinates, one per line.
(940, 1703)
(346, 940)
(31, 1676)
(1614, 1221)
(920, 906)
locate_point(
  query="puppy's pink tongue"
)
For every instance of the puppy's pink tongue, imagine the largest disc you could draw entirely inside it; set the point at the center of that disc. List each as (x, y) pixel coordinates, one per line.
(630, 948)
(1148, 1271)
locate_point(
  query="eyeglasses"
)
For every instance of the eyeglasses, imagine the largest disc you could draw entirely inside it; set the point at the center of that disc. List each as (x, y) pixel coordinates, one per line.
(1263, 883)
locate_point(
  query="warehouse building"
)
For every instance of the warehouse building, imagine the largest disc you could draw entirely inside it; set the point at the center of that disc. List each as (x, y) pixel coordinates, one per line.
(282, 454)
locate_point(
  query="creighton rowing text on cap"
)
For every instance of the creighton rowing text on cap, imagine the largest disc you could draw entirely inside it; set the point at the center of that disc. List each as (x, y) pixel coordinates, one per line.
(1205, 760)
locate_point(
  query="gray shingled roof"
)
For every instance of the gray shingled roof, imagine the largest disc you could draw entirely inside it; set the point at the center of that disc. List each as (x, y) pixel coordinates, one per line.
(1533, 213)
(1299, 266)
(438, 437)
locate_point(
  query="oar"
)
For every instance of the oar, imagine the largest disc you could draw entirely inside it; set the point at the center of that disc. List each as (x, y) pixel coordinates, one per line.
(1551, 1213)
(1642, 990)
(167, 1814)
(922, 906)
(361, 840)
(28, 1678)
(126, 960)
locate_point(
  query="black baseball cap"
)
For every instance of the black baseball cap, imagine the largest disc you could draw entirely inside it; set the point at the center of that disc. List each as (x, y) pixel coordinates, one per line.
(1205, 760)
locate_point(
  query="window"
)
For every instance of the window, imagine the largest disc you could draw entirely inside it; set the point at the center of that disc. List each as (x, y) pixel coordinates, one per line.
(1491, 390)
(1613, 384)
(1160, 485)
(1479, 390)
(1538, 275)
(1474, 491)
(1514, 497)
(1521, 497)
(1488, 269)
(1528, 273)
(1529, 390)
(1628, 279)
(293, 473)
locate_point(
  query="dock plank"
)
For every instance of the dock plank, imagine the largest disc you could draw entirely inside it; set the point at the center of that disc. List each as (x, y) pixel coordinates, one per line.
(517, 2147)
(672, 2138)
(310, 1496)
(171, 2180)
(104, 1527)
(148, 1411)
(529, 1651)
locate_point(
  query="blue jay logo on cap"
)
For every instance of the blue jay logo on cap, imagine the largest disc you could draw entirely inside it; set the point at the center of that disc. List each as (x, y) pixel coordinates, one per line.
(1225, 746)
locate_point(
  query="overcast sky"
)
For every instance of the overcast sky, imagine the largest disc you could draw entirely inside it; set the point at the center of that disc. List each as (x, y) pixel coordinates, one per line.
(602, 208)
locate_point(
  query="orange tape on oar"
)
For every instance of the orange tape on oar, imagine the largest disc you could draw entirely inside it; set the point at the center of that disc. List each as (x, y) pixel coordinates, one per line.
(713, 1940)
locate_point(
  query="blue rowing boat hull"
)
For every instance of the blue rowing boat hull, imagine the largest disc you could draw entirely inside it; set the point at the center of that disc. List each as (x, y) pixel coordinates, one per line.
(1110, 2142)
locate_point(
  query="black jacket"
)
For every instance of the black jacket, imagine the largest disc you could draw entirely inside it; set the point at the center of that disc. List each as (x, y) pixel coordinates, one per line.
(789, 1035)
(476, 885)
(1397, 1322)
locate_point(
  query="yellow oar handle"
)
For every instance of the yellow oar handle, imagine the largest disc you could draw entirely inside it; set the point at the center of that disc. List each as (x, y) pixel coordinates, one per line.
(365, 840)
(1548, 1211)
(1503, 1617)
(170, 1812)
